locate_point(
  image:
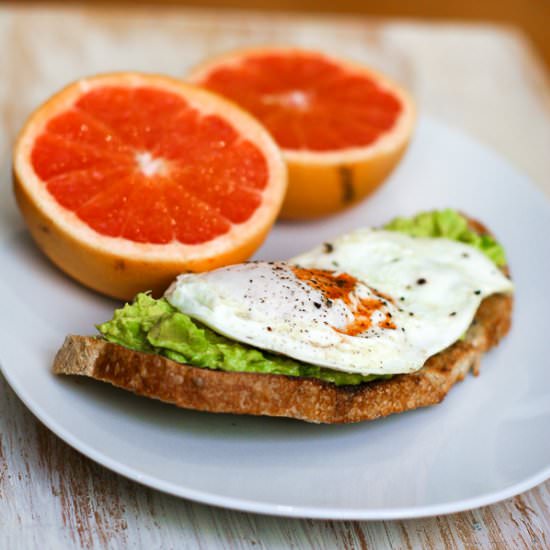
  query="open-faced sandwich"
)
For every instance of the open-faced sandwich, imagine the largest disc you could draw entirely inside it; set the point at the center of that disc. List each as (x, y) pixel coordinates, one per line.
(374, 322)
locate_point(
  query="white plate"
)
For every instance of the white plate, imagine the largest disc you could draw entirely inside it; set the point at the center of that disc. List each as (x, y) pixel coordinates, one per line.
(490, 438)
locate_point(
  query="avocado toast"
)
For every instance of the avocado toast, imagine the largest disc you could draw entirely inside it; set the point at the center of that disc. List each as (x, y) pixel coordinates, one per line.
(282, 386)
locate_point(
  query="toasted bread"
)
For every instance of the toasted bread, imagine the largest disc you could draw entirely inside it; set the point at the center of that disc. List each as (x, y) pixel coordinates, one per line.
(307, 399)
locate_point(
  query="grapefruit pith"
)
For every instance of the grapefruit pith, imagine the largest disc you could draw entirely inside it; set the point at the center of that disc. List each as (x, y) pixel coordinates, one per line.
(342, 127)
(126, 180)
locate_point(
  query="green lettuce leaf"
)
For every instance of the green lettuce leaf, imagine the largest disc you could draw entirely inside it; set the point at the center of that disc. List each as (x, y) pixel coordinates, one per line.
(449, 224)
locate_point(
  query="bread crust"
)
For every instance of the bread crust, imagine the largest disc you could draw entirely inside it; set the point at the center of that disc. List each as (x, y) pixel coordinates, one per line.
(306, 399)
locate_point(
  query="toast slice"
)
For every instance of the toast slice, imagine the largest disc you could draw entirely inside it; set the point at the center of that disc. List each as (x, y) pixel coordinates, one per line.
(306, 399)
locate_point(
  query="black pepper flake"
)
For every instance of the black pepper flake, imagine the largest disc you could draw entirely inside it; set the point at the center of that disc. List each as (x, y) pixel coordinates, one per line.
(269, 329)
(421, 281)
(402, 298)
(328, 247)
(411, 314)
(317, 305)
(452, 314)
(477, 292)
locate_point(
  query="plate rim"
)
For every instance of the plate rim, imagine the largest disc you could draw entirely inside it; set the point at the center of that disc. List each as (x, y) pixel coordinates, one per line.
(302, 512)
(297, 512)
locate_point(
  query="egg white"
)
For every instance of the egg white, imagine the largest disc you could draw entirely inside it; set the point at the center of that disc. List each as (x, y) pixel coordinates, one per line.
(438, 282)
(435, 287)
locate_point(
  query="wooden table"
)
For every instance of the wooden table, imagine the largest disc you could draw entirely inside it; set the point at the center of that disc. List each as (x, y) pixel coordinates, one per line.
(483, 79)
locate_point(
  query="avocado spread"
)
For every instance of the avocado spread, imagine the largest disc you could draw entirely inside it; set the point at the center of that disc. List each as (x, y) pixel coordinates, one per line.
(155, 326)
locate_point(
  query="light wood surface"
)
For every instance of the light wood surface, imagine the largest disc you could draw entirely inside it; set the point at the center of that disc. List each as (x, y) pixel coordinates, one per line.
(482, 79)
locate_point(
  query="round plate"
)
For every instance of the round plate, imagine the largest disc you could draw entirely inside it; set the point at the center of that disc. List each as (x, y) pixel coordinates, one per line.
(489, 439)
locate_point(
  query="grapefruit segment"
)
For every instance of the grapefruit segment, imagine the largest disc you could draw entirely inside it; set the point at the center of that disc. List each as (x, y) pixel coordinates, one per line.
(233, 202)
(137, 116)
(148, 218)
(52, 156)
(106, 211)
(127, 180)
(196, 220)
(342, 127)
(79, 127)
(75, 188)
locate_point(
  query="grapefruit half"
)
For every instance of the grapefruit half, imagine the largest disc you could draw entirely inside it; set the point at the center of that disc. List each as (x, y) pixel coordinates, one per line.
(342, 127)
(126, 180)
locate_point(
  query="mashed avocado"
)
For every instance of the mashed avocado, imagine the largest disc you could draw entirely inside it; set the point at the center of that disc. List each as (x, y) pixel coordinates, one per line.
(155, 326)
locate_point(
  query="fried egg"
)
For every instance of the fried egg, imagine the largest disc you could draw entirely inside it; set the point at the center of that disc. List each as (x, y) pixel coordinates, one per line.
(369, 302)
